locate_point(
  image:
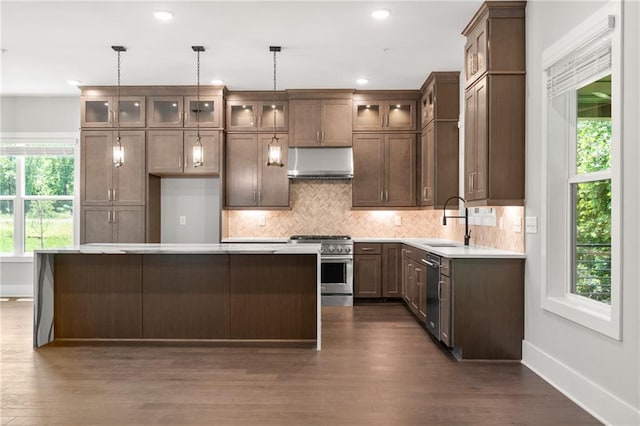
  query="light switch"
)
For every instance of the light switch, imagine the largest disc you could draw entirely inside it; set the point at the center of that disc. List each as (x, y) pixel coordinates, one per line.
(262, 221)
(531, 224)
(517, 226)
(183, 220)
(397, 220)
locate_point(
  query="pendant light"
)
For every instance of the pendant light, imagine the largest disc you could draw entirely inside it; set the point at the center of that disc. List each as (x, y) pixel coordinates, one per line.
(274, 150)
(198, 152)
(118, 150)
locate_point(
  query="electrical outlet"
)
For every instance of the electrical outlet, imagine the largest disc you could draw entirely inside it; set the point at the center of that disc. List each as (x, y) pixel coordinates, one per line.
(517, 226)
(183, 220)
(531, 225)
(397, 220)
(262, 221)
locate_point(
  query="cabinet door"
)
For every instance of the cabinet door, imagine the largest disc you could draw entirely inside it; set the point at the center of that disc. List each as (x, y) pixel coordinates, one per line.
(367, 115)
(241, 179)
(476, 52)
(400, 171)
(131, 111)
(267, 111)
(210, 140)
(273, 190)
(128, 224)
(446, 162)
(305, 123)
(427, 105)
(96, 111)
(421, 292)
(479, 180)
(470, 142)
(445, 310)
(405, 278)
(368, 275)
(368, 170)
(400, 115)
(164, 111)
(391, 270)
(209, 111)
(165, 153)
(130, 178)
(427, 165)
(242, 116)
(337, 124)
(95, 225)
(96, 167)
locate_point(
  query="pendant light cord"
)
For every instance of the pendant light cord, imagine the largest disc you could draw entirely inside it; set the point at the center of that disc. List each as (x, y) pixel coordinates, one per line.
(118, 102)
(198, 96)
(275, 109)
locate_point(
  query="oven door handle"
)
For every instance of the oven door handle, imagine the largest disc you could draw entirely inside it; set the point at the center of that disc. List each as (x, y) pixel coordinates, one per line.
(336, 259)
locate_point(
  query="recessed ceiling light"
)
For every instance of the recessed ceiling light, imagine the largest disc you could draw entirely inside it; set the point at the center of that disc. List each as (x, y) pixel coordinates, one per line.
(163, 15)
(217, 82)
(381, 14)
(74, 82)
(362, 81)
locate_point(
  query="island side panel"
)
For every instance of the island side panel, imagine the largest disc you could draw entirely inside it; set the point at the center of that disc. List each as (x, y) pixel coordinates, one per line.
(43, 299)
(273, 297)
(98, 296)
(185, 296)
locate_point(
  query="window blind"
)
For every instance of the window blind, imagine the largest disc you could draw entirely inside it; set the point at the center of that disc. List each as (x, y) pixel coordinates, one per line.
(587, 63)
(37, 147)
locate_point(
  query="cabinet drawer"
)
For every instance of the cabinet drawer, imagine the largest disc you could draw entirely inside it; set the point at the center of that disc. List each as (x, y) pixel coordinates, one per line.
(368, 248)
(444, 267)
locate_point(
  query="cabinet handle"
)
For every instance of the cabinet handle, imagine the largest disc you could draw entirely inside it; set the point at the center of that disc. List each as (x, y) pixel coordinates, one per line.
(427, 262)
(109, 194)
(259, 195)
(424, 193)
(367, 249)
(317, 135)
(180, 116)
(108, 216)
(113, 217)
(382, 195)
(255, 195)
(179, 161)
(322, 136)
(386, 196)
(440, 291)
(113, 193)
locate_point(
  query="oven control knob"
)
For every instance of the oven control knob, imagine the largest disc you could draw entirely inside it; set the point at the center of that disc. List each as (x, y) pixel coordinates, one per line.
(347, 250)
(331, 249)
(340, 249)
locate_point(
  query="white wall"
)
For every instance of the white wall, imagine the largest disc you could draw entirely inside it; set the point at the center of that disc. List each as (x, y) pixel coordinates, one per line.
(599, 373)
(198, 201)
(31, 114)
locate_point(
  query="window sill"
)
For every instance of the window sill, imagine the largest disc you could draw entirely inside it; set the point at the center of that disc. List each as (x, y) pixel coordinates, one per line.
(588, 313)
(9, 258)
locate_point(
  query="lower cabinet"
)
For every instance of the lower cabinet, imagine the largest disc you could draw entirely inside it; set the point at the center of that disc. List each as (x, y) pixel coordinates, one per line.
(112, 224)
(377, 270)
(414, 281)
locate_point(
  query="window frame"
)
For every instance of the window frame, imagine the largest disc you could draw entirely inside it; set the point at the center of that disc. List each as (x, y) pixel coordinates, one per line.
(557, 295)
(19, 198)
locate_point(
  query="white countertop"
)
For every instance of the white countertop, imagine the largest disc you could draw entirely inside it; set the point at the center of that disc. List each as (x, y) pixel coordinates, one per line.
(256, 240)
(227, 248)
(453, 249)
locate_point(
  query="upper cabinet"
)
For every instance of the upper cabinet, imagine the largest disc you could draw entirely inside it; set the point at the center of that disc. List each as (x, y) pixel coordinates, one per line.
(100, 111)
(320, 122)
(382, 115)
(438, 147)
(384, 170)
(207, 114)
(257, 112)
(184, 111)
(495, 105)
(495, 40)
(170, 152)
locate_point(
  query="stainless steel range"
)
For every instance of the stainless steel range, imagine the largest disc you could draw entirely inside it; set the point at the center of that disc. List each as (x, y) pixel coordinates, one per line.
(336, 260)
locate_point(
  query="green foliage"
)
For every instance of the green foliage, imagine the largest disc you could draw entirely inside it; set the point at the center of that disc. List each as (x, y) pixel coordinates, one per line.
(48, 175)
(593, 212)
(7, 175)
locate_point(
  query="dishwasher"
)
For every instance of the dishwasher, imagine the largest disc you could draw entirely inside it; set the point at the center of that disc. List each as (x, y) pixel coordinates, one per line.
(432, 262)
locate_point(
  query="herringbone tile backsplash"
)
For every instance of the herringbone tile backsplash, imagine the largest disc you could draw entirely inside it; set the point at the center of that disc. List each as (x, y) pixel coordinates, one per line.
(324, 207)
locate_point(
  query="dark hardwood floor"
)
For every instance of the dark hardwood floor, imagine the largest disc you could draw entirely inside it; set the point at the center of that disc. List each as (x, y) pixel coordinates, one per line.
(377, 367)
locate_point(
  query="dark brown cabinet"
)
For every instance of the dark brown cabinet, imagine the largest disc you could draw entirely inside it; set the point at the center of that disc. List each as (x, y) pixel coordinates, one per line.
(320, 122)
(377, 271)
(438, 157)
(115, 224)
(494, 141)
(495, 40)
(414, 276)
(170, 152)
(249, 181)
(384, 170)
(445, 302)
(495, 105)
(384, 115)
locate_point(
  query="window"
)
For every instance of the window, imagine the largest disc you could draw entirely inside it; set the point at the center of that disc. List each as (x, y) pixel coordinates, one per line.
(37, 183)
(582, 160)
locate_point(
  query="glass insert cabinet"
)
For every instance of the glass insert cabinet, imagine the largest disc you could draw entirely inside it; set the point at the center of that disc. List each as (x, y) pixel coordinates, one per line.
(384, 115)
(257, 115)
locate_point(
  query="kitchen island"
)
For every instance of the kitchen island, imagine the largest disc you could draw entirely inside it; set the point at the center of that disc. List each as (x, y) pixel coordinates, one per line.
(258, 293)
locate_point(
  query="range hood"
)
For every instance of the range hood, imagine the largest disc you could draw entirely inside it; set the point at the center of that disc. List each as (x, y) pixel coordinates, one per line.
(320, 163)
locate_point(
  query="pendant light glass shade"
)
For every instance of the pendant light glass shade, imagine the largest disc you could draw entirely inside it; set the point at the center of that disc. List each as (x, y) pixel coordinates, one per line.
(118, 153)
(198, 153)
(274, 150)
(118, 150)
(198, 150)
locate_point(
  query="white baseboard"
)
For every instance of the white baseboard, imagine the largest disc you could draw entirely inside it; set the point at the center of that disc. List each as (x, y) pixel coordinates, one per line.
(597, 401)
(16, 290)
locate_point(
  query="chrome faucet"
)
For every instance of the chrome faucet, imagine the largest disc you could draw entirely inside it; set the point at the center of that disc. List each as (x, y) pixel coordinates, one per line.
(467, 233)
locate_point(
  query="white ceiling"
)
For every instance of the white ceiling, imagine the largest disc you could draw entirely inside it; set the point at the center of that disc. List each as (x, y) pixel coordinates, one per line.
(324, 44)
